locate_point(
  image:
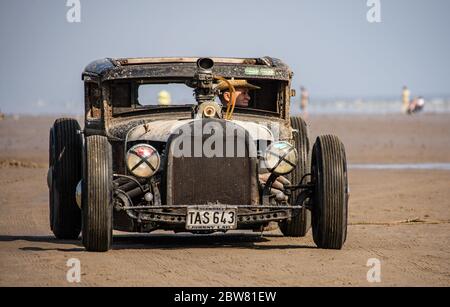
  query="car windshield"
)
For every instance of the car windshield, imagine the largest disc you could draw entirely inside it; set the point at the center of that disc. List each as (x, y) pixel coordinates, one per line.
(140, 95)
(165, 94)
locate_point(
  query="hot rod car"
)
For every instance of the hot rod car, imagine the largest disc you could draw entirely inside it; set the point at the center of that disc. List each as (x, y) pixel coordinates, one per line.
(195, 164)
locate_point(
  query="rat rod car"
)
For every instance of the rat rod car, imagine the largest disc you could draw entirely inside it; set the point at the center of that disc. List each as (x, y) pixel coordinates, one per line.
(194, 164)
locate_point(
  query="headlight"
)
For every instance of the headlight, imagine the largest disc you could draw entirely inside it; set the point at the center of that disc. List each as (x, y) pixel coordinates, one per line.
(143, 160)
(281, 158)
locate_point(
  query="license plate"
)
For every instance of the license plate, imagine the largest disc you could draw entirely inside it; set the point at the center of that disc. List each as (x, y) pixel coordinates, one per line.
(211, 218)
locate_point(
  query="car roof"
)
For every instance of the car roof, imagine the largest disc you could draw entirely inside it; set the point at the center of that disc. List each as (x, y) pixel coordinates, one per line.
(185, 67)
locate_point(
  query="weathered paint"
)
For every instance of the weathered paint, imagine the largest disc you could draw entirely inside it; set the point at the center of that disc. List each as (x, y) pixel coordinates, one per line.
(158, 125)
(111, 69)
(161, 130)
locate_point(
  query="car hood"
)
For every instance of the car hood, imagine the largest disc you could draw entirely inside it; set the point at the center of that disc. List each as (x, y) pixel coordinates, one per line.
(161, 130)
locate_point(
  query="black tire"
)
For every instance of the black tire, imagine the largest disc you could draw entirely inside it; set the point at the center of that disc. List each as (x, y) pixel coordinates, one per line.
(65, 167)
(330, 199)
(300, 223)
(97, 194)
(51, 150)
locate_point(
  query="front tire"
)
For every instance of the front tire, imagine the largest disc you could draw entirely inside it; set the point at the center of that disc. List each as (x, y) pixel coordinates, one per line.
(64, 173)
(330, 198)
(97, 194)
(300, 223)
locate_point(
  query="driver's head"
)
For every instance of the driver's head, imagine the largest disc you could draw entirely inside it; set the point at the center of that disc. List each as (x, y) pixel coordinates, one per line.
(242, 93)
(242, 97)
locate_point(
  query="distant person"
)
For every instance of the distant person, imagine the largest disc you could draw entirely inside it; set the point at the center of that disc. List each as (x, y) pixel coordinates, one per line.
(406, 94)
(420, 104)
(416, 105)
(164, 98)
(304, 100)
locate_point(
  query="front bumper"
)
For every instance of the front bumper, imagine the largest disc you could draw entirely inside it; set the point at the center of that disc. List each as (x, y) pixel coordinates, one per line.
(176, 215)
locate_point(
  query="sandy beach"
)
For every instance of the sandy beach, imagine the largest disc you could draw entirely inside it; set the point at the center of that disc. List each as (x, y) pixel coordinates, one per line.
(401, 217)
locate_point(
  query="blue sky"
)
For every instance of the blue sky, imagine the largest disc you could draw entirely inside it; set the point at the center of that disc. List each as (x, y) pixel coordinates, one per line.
(329, 44)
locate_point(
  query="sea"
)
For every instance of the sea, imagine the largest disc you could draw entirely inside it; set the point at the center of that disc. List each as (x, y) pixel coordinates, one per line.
(368, 106)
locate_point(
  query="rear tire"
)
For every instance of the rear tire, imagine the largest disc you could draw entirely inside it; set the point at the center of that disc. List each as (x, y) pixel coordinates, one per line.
(330, 199)
(65, 173)
(51, 150)
(97, 194)
(300, 223)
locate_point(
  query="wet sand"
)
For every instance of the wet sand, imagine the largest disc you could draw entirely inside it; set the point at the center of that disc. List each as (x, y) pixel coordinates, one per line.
(401, 217)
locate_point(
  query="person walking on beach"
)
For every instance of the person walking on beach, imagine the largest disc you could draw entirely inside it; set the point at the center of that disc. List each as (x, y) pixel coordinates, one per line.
(164, 98)
(304, 100)
(405, 99)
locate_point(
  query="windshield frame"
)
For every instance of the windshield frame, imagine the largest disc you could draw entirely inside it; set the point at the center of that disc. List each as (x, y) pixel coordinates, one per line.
(137, 109)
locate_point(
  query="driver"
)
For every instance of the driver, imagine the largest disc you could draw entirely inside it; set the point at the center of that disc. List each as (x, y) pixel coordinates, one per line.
(242, 88)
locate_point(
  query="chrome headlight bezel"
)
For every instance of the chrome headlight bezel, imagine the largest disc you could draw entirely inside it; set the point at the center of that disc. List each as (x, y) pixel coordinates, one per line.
(142, 160)
(281, 158)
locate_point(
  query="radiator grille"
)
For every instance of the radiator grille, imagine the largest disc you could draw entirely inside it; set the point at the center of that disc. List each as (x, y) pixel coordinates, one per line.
(202, 180)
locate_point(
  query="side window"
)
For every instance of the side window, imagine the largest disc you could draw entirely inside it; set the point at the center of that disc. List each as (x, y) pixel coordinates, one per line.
(267, 97)
(93, 100)
(121, 95)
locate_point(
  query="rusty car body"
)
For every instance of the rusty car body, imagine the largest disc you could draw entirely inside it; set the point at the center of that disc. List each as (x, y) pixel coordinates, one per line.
(121, 171)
